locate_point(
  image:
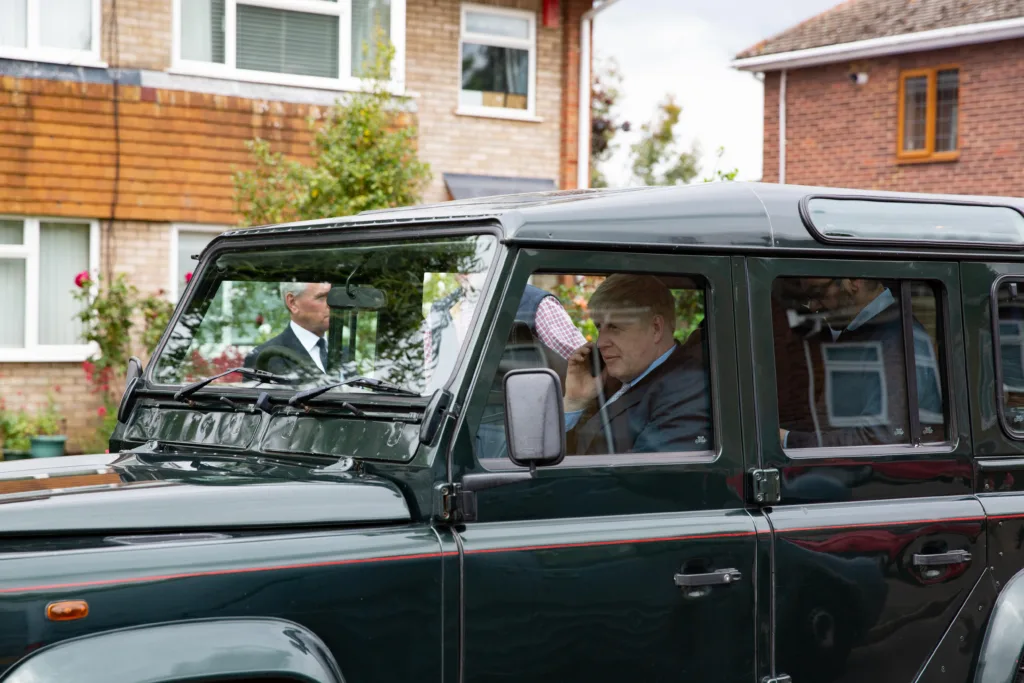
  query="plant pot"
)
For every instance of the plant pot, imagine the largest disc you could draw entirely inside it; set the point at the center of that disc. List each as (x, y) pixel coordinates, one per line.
(48, 446)
(10, 454)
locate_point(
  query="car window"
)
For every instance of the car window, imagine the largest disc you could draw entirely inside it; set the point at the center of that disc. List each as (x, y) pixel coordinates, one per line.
(653, 395)
(845, 374)
(1009, 336)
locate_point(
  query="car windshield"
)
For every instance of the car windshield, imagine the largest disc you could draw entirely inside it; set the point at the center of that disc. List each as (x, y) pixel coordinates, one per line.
(330, 313)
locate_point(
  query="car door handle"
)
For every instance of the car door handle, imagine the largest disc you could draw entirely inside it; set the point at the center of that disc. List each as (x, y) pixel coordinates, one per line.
(940, 559)
(715, 578)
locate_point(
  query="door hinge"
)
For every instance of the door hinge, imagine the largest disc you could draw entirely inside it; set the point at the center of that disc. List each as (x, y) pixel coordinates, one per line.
(453, 504)
(767, 486)
(781, 678)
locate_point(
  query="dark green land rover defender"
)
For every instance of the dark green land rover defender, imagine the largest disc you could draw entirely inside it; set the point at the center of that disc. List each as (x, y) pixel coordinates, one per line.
(726, 433)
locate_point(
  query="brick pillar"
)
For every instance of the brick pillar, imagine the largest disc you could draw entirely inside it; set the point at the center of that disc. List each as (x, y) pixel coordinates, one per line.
(572, 13)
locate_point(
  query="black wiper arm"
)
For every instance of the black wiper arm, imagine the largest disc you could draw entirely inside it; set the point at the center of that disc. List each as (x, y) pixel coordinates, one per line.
(367, 382)
(248, 373)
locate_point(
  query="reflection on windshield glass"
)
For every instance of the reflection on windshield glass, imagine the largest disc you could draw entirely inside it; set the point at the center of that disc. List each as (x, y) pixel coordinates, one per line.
(326, 314)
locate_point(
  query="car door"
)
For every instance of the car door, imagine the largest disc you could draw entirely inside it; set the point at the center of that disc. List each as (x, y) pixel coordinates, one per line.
(623, 566)
(878, 539)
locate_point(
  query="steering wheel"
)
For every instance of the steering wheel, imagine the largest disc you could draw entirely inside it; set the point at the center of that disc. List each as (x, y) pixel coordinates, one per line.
(271, 353)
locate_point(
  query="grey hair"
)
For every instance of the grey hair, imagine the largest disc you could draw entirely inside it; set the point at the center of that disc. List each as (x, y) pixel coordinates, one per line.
(294, 288)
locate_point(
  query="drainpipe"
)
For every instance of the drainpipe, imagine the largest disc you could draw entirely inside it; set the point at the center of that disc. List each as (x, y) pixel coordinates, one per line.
(782, 128)
(583, 113)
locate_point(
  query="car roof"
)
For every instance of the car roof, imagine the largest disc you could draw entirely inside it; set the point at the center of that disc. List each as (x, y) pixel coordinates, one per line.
(722, 215)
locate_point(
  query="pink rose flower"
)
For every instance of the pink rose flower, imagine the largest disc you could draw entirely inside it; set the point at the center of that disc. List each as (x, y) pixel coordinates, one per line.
(101, 411)
(82, 279)
(188, 277)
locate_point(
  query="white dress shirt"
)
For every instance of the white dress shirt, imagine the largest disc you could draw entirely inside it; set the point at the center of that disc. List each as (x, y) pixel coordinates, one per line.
(308, 341)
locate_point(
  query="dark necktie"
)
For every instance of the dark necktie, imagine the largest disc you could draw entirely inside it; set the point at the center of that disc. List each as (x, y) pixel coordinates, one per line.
(322, 345)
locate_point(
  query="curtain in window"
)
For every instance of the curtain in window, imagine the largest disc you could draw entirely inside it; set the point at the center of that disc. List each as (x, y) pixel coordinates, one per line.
(12, 303)
(189, 243)
(202, 30)
(367, 15)
(63, 252)
(66, 24)
(287, 42)
(13, 27)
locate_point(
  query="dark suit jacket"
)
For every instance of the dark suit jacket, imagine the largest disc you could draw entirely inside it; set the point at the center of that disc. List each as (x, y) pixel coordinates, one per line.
(669, 410)
(284, 366)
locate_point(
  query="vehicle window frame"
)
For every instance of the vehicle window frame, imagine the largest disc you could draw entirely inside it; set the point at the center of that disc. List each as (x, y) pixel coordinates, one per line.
(330, 236)
(716, 273)
(943, 276)
(997, 356)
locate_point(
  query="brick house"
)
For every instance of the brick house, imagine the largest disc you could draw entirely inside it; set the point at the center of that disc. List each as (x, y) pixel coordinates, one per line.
(914, 95)
(121, 124)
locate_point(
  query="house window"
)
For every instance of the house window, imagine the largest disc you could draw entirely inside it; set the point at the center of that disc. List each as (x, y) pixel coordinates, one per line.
(186, 241)
(929, 114)
(39, 259)
(498, 61)
(319, 43)
(855, 370)
(28, 31)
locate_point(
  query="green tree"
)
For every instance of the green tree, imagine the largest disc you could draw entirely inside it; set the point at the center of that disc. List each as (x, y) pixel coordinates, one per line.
(718, 174)
(363, 158)
(657, 157)
(604, 123)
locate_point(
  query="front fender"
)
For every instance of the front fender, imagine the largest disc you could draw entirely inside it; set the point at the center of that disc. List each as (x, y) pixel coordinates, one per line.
(188, 650)
(999, 659)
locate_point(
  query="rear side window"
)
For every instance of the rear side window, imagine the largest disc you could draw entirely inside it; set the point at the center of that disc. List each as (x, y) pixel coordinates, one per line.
(859, 362)
(1008, 314)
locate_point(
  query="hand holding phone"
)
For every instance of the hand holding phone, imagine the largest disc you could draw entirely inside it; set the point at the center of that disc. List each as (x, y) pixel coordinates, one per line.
(596, 361)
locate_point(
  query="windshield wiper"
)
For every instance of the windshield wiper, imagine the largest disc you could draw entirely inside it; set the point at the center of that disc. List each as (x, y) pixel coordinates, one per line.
(365, 382)
(248, 373)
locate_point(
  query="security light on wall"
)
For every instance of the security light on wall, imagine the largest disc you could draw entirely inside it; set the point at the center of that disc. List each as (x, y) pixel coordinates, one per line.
(859, 77)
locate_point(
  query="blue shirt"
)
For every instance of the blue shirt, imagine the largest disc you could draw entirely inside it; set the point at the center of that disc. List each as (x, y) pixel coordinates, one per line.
(571, 418)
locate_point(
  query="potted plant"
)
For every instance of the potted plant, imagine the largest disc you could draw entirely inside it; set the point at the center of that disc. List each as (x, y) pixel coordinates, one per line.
(48, 439)
(15, 427)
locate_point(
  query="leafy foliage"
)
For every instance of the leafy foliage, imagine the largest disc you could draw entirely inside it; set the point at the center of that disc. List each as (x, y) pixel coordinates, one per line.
(363, 157)
(604, 123)
(717, 174)
(657, 158)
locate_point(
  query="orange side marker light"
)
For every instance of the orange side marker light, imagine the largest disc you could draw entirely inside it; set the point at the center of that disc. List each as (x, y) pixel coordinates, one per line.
(67, 610)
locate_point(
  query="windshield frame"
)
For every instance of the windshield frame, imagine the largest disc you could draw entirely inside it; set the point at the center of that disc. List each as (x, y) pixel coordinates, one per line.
(331, 235)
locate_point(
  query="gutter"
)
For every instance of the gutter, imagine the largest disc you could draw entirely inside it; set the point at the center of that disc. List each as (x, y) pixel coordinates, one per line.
(936, 39)
(583, 105)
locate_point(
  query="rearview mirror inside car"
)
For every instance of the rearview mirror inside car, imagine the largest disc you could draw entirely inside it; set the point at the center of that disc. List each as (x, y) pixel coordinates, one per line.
(356, 297)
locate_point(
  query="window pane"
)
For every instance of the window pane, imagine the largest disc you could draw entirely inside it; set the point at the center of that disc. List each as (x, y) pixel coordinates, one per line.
(946, 110)
(287, 42)
(12, 232)
(189, 243)
(13, 28)
(497, 25)
(494, 76)
(202, 30)
(557, 314)
(63, 252)
(367, 17)
(12, 303)
(840, 362)
(66, 24)
(1011, 352)
(929, 352)
(915, 113)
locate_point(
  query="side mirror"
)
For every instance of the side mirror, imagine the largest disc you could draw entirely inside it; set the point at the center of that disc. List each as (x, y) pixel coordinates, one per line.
(134, 370)
(534, 417)
(361, 298)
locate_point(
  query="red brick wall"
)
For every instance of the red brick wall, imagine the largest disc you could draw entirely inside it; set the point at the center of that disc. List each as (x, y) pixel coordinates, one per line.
(845, 135)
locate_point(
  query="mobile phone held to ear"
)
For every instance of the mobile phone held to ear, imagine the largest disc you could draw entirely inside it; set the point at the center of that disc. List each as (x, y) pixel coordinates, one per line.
(596, 362)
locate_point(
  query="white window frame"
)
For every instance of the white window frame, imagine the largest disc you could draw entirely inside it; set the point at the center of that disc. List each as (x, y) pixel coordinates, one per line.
(866, 367)
(176, 229)
(341, 8)
(34, 52)
(930, 361)
(529, 44)
(33, 351)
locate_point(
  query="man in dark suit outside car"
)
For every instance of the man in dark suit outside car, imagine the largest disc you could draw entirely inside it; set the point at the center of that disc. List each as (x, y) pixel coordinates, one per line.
(663, 401)
(301, 348)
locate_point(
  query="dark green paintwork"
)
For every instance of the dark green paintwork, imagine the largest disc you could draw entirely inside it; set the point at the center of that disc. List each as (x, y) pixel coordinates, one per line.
(564, 577)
